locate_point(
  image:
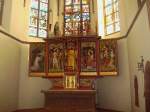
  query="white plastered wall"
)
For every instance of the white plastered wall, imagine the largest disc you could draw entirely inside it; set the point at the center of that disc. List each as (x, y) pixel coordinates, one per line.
(138, 45)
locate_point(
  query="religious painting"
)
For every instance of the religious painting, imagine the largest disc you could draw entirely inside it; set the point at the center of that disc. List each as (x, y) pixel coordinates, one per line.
(86, 83)
(57, 83)
(37, 58)
(88, 56)
(71, 56)
(56, 57)
(108, 57)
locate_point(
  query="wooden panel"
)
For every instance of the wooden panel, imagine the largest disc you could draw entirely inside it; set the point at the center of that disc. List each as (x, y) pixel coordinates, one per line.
(70, 100)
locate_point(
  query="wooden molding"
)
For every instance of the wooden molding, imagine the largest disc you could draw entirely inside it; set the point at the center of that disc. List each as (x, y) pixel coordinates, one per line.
(108, 110)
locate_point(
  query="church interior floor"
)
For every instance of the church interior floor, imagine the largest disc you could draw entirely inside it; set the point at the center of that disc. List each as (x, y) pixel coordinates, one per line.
(44, 110)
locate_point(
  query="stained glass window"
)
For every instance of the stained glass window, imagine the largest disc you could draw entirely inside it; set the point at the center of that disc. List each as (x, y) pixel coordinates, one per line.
(38, 18)
(111, 15)
(77, 17)
(1, 10)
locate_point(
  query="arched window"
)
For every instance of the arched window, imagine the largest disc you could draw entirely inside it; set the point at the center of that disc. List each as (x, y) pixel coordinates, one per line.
(1, 10)
(77, 17)
(38, 18)
(111, 16)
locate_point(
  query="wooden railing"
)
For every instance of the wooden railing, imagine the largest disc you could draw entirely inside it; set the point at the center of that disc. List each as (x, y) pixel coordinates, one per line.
(117, 38)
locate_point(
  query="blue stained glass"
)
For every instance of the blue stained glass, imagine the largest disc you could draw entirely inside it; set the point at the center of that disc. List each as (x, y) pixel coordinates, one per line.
(76, 13)
(32, 31)
(85, 16)
(43, 7)
(34, 4)
(76, 17)
(42, 33)
(67, 18)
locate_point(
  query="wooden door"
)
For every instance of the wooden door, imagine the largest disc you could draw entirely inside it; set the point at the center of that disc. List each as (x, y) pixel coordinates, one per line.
(147, 86)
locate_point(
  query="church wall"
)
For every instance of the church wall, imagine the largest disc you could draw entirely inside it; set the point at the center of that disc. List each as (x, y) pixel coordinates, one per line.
(117, 87)
(138, 45)
(9, 73)
(114, 91)
(30, 95)
(7, 14)
(130, 10)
